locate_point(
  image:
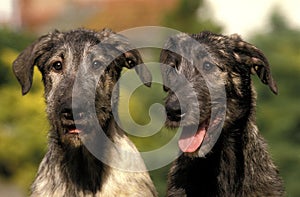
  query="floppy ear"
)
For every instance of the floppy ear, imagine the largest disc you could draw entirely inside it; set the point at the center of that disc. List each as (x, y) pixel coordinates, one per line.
(24, 64)
(23, 68)
(168, 57)
(134, 60)
(132, 56)
(248, 54)
(164, 69)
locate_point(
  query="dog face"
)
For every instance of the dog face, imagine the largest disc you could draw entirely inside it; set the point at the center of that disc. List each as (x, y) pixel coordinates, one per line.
(207, 78)
(80, 69)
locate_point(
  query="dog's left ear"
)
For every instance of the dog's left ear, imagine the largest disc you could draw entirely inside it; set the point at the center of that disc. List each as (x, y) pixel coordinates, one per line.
(248, 54)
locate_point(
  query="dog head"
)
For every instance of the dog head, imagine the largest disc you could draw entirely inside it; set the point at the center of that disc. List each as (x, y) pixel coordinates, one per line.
(207, 78)
(80, 69)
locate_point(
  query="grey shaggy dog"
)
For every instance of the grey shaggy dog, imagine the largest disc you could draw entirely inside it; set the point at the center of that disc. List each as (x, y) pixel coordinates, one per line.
(80, 69)
(237, 163)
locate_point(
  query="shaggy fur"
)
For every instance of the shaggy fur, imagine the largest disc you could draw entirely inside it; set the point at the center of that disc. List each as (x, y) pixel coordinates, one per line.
(238, 163)
(69, 168)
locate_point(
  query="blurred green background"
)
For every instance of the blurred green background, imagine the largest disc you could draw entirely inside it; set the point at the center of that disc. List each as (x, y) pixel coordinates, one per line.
(23, 123)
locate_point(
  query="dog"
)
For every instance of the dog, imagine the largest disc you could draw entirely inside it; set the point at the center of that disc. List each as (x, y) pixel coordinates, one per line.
(210, 95)
(88, 153)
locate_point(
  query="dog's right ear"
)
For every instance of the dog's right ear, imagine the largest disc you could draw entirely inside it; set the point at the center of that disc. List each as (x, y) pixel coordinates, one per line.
(133, 58)
(24, 64)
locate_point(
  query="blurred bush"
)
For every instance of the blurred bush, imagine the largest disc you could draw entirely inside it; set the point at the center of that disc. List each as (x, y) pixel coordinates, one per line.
(23, 124)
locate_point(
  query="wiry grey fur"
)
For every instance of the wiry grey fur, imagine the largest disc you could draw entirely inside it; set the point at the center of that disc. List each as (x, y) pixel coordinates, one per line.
(238, 164)
(77, 81)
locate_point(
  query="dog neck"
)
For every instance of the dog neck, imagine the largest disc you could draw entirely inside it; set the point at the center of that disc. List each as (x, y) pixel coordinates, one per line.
(79, 173)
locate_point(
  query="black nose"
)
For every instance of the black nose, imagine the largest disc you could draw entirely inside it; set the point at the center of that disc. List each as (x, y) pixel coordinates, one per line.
(71, 111)
(67, 114)
(175, 112)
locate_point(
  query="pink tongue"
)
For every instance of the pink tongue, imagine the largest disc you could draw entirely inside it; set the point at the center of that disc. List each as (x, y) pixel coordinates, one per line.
(74, 131)
(190, 140)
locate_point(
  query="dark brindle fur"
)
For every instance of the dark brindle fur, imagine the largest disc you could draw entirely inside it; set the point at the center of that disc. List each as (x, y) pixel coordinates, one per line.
(68, 168)
(238, 164)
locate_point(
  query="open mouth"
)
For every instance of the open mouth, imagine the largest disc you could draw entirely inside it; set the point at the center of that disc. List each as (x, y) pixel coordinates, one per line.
(73, 128)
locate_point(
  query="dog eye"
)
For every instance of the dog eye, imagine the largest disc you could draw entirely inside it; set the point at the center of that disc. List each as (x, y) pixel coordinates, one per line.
(207, 66)
(175, 67)
(57, 66)
(96, 64)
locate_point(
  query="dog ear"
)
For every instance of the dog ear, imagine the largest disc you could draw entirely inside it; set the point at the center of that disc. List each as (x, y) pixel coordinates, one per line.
(23, 66)
(248, 54)
(164, 54)
(134, 60)
(168, 58)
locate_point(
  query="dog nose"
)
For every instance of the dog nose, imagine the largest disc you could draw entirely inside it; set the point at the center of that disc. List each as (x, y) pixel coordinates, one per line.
(67, 114)
(175, 112)
(71, 111)
(71, 114)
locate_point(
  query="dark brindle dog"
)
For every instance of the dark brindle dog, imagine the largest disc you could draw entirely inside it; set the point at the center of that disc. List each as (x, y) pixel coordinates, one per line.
(80, 69)
(216, 71)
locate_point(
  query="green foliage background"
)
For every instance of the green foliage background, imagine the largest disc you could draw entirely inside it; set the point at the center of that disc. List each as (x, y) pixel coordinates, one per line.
(279, 117)
(23, 123)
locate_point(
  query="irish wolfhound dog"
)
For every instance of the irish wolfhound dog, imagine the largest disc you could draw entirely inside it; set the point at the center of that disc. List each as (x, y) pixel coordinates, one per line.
(223, 152)
(80, 69)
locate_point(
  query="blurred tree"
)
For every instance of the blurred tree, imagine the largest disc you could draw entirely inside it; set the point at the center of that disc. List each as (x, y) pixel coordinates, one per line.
(278, 22)
(279, 117)
(191, 16)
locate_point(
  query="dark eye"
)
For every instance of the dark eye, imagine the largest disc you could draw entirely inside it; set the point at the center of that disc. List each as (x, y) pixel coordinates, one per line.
(96, 64)
(57, 66)
(174, 65)
(207, 66)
